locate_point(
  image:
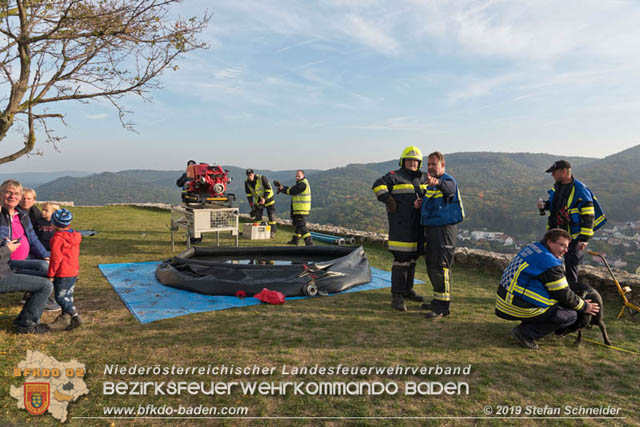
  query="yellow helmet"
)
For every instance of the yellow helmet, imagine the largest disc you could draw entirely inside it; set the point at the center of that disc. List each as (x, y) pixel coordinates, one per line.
(411, 152)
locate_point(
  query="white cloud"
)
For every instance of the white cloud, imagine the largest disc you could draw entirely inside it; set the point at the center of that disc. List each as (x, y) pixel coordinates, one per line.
(370, 34)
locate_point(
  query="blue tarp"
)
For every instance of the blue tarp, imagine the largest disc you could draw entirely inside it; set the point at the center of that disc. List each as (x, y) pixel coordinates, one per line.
(148, 300)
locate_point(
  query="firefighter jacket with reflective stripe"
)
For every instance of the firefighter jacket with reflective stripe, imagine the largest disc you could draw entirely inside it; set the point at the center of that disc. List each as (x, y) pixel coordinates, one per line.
(258, 189)
(405, 186)
(533, 282)
(442, 204)
(300, 197)
(580, 215)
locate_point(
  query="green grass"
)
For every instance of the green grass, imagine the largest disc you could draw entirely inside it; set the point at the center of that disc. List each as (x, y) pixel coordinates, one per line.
(357, 329)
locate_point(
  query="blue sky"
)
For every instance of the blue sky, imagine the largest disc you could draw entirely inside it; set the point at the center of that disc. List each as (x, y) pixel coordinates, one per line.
(320, 84)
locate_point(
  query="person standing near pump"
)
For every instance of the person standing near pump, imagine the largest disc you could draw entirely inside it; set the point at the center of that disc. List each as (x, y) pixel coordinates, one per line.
(574, 208)
(260, 196)
(184, 179)
(401, 191)
(441, 210)
(300, 207)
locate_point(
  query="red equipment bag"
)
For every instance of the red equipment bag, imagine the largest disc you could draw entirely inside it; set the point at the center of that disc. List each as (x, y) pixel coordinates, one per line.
(270, 297)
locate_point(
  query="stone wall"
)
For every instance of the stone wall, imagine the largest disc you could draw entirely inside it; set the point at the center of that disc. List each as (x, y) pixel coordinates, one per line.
(55, 202)
(490, 262)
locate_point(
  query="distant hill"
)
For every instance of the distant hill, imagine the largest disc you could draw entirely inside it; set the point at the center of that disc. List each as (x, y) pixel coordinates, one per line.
(499, 190)
(106, 187)
(33, 179)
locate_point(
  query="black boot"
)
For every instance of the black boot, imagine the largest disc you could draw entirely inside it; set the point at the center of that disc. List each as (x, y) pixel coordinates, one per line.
(414, 297)
(397, 302)
(411, 295)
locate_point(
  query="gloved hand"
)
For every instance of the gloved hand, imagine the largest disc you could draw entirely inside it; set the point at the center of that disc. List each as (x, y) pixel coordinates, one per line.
(391, 204)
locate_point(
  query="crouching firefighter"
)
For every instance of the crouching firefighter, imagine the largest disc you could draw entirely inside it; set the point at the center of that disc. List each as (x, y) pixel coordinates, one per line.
(401, 191)
(534, 290)
(300, 207)
(260, 196)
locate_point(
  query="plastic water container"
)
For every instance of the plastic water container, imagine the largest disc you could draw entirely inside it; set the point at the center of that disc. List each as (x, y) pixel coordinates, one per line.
(256, 231)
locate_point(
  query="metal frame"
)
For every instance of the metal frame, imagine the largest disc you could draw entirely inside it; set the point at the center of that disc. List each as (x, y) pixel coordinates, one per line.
(626, 303)
(196, 221)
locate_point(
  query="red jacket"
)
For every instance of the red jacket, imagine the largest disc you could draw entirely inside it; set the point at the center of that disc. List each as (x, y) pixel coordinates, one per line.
(65, 254)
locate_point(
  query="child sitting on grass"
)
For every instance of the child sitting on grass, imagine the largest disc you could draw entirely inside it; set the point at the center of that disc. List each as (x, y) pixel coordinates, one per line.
(43, 227)
(64, 267)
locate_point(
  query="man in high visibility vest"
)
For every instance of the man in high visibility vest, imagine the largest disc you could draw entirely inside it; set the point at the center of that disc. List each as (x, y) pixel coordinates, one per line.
(440, 211)
(401, 190)
(534, 290)
(300, 207)
(260, 196)
(574, 208)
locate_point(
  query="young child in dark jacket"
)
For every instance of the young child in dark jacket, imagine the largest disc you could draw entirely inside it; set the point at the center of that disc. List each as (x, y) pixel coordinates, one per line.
(64, 266)
(43, 226)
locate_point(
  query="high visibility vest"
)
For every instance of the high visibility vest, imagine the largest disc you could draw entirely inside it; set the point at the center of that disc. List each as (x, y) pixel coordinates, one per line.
(301, 203)
(436, 210)
(259, 191)
(520, 293)
(580, 194)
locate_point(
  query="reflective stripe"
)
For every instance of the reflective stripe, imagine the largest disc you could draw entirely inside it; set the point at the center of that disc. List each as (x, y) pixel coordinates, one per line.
(588, 210)
(557, 285)
(586, 231)
(402, 189)
(570, 199)
(514, 280)
(580, 305)
(599, 220)
(402, 246)
(534, 296)
(442, 296)
(515, 311)
(402, 186)
(401, 264)
(574, 211)
(433, 193)
(304, 236)
(380, 189)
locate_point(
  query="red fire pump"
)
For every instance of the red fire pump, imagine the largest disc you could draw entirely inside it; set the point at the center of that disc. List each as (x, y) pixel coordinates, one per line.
(207, 186)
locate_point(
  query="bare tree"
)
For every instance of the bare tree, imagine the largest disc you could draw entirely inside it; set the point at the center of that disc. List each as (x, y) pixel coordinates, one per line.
(81, 50)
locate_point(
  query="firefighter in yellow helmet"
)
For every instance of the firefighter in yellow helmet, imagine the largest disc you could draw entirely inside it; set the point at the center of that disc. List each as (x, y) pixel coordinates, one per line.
(401, 191)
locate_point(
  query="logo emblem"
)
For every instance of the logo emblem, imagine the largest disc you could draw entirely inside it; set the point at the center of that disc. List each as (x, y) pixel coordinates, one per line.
(36, 398)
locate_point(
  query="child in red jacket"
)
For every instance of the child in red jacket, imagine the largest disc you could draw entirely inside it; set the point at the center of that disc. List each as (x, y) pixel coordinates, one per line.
(64, 266)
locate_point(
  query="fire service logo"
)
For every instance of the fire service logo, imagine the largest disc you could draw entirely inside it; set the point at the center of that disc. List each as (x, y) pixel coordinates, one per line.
(36, 397)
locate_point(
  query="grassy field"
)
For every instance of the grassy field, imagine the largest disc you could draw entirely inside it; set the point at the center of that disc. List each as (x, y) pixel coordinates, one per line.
(352, 330)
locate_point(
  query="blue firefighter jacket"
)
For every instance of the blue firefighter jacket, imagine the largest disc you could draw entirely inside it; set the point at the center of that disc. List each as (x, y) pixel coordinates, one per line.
(439, 208)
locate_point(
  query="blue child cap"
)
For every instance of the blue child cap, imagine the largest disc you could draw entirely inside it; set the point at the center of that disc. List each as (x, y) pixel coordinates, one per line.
(61, 218)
